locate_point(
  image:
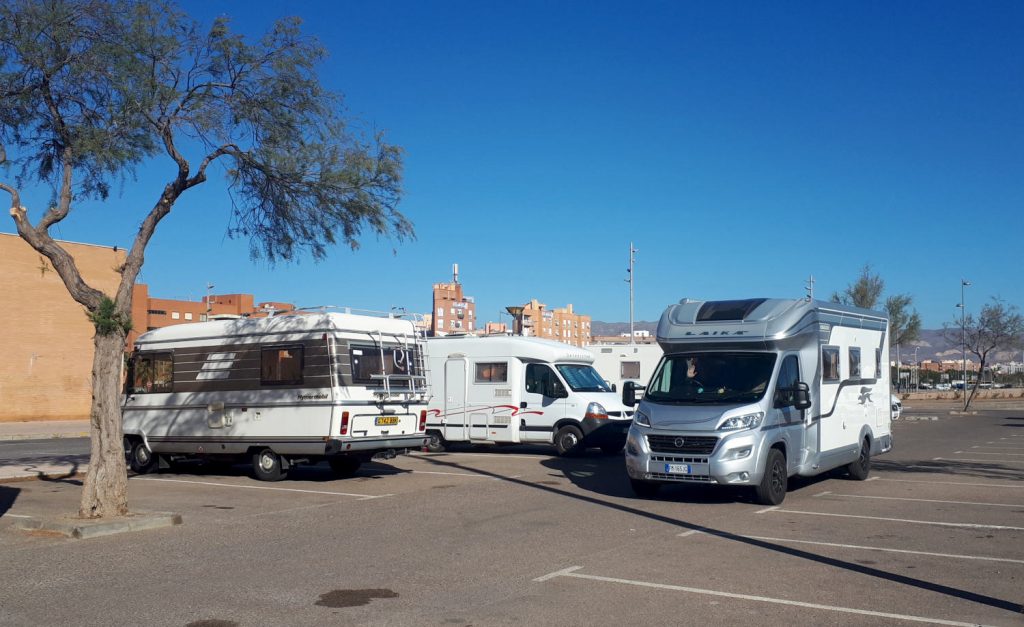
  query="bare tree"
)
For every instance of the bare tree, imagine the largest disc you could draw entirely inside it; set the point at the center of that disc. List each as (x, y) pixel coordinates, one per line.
(91, 89)
(864, 292)
(999, 327)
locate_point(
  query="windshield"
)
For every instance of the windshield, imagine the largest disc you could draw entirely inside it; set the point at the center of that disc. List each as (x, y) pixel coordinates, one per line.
(711, 378)
(583, 378)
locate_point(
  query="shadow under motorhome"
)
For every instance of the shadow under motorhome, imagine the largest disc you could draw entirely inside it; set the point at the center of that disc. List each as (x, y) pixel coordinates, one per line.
(751, 392)
(511, 390)
(277, 391)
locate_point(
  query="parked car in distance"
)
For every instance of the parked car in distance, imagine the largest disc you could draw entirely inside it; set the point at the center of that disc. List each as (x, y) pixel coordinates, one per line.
(925, 386)
(943, 387)
(897, 406)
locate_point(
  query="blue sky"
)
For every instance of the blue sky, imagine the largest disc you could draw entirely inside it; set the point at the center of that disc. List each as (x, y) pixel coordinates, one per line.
(741, 146)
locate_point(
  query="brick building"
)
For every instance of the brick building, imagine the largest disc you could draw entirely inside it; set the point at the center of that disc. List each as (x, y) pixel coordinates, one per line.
(561, 324)
(47, 374)
(453, 311)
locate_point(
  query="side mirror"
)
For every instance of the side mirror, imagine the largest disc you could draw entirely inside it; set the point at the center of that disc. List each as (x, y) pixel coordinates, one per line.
(555, 389)
(613, 388)
(629, 389)
(801, 396)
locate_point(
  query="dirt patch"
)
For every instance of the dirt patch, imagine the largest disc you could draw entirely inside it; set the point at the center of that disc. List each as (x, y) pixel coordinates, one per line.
(354, 598)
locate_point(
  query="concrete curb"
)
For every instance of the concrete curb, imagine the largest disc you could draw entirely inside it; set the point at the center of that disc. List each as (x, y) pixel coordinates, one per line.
(43, 436)
(82, 529)
(50, 473)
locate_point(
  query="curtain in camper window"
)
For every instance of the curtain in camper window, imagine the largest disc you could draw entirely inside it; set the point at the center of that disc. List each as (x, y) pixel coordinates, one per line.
(151, 373)
(281, 365)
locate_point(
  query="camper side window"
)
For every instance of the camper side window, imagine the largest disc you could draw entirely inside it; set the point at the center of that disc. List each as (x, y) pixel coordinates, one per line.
(491, 372)
(878, 363)
(854, 363)
(629, 370)
(830, 363)
(281, 365)
(367, 366)
(151, 372)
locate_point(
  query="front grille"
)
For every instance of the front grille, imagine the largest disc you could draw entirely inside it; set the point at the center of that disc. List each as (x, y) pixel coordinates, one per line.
(681, 478)
(679, 444)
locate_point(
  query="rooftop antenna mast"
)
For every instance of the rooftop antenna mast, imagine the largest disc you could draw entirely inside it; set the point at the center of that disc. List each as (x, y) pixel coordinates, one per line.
(209, 298)
(810, 287)
(629, 279)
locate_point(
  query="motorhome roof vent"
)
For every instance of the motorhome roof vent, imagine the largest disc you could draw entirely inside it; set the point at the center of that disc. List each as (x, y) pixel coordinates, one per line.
(713, 311)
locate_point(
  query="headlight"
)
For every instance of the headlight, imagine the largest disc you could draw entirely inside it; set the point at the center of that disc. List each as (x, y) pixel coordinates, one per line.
(641, 419)
(596, 411)
(748, 421)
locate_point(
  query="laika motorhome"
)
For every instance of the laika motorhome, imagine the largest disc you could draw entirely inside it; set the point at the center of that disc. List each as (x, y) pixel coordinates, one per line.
(619, 363)
(510, 389)
(751, 392)
(277, 391)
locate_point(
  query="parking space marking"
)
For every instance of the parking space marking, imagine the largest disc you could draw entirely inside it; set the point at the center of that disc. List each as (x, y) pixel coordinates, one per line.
(964, 459)
(1006, 448)
(879, 548)
(902, 520)
(14, 516)
(767, 509)
(687, 533)
(900, 498)
(572, 572)
(967, 483)
(987, 453)
(432, 472)
(361, 497)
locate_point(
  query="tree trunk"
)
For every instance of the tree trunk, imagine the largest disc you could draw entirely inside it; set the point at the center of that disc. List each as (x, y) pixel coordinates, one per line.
(105, 493)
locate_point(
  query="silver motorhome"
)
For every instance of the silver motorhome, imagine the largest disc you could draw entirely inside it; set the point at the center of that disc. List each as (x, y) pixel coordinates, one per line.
(751, 392)
(277, 391)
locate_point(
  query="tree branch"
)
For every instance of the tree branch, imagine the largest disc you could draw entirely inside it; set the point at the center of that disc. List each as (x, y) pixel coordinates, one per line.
(58, 213)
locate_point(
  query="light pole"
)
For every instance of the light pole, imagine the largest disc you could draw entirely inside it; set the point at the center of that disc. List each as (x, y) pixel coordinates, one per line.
(963, 334)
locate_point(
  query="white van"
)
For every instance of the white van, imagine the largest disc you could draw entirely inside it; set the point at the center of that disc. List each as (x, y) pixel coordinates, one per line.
(277, 391)
(511, 389)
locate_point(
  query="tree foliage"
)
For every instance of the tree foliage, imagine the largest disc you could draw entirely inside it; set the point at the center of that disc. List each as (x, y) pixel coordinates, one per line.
(864, 292)
(904, 324)
(998, 327)
(92, 90)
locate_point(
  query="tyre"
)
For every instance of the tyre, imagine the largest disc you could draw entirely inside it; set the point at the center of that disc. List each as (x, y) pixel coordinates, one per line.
(267, 466)
(772, 489)
(344, 466)
(141, 460)
(436, 442)
(568, 440)
(644, 489)
(612, 448)
(860, 468)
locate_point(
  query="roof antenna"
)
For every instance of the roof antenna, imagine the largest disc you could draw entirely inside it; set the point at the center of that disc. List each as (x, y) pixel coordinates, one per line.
(810, 287)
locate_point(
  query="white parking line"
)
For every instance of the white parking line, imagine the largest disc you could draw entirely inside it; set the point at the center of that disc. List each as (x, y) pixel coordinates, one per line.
(767, 509)
(864, 548)
(1006, 448)
(986, 453)
(571, 572)
(14, 516)
(432, 472)
(978, 485)
(903, 520)
(964, 459)
(900, 498)
(361, 497)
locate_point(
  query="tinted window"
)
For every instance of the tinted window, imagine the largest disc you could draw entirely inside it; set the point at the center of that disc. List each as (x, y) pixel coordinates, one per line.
(629, 370)
(370, 364)
(281, 365)
(711, 378)
(854, 363)
(539, 377)
(789, 373)
(492, 372)
(830, 363)
(727, 309)
(151, 372)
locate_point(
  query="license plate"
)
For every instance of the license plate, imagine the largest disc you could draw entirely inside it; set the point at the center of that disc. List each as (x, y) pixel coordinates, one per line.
(386, 420)
(677, 469)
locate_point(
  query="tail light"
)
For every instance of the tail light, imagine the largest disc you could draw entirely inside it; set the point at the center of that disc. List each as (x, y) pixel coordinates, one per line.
(423, 420)
(344, 423)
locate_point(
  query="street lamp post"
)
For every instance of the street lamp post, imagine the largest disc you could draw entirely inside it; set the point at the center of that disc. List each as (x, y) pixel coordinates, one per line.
(963, 334)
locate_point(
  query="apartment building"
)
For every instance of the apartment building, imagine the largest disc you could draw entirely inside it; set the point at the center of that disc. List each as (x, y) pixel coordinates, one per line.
(453, 311)
(561, 324)
(46, 373)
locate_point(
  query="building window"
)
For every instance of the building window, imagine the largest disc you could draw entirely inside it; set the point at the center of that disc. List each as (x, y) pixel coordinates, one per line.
(151, 373)
(854, 363)
(203, 318)
(175, 315)
(830, 363)
(281, 365)
(188, 316)
(156, 312)
(492, 372)
(440, 311)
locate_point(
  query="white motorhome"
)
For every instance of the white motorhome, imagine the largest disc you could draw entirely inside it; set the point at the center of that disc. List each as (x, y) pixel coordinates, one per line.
(511, 389)
(619, 363)
(752, 392)
(277, 391)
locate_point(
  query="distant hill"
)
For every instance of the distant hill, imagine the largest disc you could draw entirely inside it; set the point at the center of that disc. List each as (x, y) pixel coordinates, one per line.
(930, 346)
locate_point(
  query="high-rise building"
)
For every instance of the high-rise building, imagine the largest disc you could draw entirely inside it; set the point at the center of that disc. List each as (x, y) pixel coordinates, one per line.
(453, 311)
(561, 324)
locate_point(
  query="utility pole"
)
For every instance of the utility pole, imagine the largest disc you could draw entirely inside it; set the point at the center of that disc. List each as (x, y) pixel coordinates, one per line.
(209, 297)
(963, 333)
(630, 280)
(810, 287)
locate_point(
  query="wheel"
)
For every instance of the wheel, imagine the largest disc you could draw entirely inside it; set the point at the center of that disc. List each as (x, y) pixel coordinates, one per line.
(568, 440)
(860, 469)
(612, 448)
(436, 442)
(266, 465)
(344, 466)
(772, 489)
(141, 460)
(644, 489)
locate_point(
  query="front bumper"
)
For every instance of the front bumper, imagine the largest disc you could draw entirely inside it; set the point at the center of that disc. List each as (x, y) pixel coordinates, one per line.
(735, 458)
(605, 430)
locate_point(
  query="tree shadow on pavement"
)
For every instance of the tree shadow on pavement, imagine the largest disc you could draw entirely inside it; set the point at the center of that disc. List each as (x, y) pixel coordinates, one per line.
(8, 496)
(921, 584)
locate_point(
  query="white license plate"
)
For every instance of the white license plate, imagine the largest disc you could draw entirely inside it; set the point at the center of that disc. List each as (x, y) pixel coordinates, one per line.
(677, 469)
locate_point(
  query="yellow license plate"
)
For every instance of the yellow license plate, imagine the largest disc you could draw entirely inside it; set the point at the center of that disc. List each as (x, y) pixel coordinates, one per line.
(386, 420)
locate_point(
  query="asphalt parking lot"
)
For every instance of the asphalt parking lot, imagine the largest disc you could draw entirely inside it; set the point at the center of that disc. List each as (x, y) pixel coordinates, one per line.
(514, 535)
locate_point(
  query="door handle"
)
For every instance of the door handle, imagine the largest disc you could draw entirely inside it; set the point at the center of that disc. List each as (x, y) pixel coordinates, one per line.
(522, 405)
